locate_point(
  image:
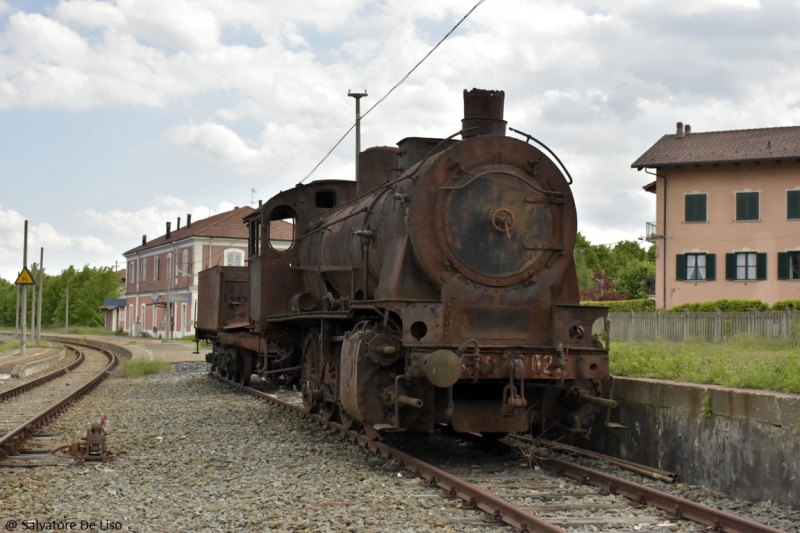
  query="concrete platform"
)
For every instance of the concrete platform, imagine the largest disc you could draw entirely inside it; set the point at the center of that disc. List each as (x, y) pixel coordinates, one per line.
(148, 348)
(743, 442)
(36, 360)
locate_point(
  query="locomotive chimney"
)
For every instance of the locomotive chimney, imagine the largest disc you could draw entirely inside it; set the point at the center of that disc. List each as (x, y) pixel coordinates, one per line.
(679, 130)
(188, 220)
(169, 226)
(483, 110)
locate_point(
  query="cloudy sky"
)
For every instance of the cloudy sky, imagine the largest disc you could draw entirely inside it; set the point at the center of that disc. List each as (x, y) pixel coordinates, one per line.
(118, 115)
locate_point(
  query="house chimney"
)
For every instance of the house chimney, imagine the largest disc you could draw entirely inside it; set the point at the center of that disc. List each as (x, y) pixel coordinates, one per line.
(169, 225)
(179, 224)
(144, 240)
(188, 219)
(259, 203)
(679, 130)
(688, 129)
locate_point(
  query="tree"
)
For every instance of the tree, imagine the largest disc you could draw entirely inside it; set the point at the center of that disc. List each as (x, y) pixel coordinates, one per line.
(88, 288)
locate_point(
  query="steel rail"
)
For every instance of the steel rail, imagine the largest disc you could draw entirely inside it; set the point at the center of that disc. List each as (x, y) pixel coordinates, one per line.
(644, 470)
(680, 508)
(502, 511)
(28, 385)
(10, 442)
(474, 497)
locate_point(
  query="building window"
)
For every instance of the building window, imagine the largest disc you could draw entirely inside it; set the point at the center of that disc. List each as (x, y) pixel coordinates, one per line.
(789, 265)
(747, 206)
(155, 268)
(696, 267)
(746, 266)
(143, 270)
(234, 258)
(696, 208)
(131, 272)
(185, 262)
(793, 205)
(169, 265)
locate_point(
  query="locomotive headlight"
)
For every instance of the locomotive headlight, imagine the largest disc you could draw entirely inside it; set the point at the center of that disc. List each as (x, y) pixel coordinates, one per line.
(442, 368)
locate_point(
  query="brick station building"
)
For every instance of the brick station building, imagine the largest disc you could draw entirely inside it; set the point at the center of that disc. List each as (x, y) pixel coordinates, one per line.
(162, 273)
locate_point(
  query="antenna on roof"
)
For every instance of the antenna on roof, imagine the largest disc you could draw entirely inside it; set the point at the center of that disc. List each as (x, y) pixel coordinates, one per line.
(252, 192)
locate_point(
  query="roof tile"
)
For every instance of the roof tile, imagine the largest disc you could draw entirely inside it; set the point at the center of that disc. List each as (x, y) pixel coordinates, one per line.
(763, 144)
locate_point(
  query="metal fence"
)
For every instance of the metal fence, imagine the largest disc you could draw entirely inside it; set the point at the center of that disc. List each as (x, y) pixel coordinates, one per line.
(706, 326)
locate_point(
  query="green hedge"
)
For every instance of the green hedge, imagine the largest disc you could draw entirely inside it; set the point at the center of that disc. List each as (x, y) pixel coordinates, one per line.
(786, 304)
(623, 306)
(726, 306)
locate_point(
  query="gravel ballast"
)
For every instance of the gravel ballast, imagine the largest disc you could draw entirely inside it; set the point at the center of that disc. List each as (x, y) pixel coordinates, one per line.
(191, 455)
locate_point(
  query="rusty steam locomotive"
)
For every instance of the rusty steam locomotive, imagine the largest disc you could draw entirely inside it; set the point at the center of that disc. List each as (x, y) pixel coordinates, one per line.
(439, 287)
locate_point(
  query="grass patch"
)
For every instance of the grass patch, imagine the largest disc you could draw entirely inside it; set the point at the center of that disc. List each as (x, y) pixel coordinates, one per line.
(83, 330)
(746, 362)
(136, 368)
(14, 345)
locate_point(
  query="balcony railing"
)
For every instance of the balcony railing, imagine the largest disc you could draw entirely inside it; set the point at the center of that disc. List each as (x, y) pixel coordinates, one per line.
(650, 234)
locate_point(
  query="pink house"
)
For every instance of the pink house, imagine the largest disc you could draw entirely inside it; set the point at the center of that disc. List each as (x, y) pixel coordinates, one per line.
(727, 214)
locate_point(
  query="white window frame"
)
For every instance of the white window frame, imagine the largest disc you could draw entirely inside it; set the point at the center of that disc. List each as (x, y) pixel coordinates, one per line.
(234, 252)
(155, 268)
(748, 268)
(143, 269)
(185, 262)
(700, 271)
(132, 272)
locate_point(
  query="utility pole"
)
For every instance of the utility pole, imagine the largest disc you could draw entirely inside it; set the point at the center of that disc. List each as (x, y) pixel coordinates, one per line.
(24, 293)
(358, 97)
(33, 307)
(41, 290)
(16, 315)
(66, 320)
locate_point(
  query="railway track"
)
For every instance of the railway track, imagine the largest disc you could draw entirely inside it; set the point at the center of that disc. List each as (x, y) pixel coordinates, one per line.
(27, 408)
(545, 500)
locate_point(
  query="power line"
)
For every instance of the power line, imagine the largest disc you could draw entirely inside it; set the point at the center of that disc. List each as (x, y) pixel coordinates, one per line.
(403, 79)
(277, 166)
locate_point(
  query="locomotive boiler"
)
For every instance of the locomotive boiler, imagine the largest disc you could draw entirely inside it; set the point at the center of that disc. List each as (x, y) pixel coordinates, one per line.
(438, 288)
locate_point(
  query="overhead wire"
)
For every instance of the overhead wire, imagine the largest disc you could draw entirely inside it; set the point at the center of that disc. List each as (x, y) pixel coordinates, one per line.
(275, 166)
(403, 79)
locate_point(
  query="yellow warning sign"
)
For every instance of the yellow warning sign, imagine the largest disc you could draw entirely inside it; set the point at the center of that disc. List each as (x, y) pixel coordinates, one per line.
(25, 277)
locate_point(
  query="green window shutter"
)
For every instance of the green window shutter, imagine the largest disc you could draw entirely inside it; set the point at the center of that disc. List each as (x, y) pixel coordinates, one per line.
(730, 266)
(747, 205)
(680, 269)
(695, 208)
(783, 265)
(761, 266)
(793, 205)
(711, 267)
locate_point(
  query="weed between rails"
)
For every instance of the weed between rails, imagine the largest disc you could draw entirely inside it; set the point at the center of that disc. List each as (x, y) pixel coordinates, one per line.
(136, 368)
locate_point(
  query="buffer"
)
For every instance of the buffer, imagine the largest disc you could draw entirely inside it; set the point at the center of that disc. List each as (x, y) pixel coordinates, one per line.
(25, 277)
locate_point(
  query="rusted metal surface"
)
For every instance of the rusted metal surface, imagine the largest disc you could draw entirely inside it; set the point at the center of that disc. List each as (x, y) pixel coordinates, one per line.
(461, 243)
(10, 442)
(225, 294)
(644, 470)
(10, 393)
(680, 507)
